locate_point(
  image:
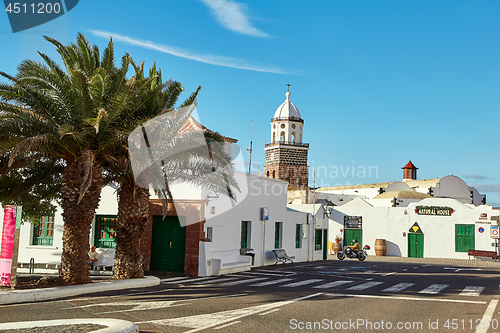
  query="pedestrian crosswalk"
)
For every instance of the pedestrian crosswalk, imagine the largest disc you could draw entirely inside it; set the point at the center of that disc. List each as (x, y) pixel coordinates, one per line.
(433, 289)
(365, 285)
(256, 281)
(398, 287)
(471, 291)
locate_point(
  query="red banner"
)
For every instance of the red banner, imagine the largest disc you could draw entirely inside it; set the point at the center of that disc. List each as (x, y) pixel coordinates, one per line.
(9, 227)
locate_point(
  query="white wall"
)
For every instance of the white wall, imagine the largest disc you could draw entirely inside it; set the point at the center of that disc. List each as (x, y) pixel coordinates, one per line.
(52, 254)
(226, 225)
(390, 223)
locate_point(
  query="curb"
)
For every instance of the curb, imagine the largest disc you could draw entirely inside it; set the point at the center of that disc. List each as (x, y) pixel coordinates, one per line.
(43, 294)
(114, 325)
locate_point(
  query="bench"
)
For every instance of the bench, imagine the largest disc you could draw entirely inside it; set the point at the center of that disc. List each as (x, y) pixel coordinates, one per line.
(281, 256)
(479, 253)
(106, 259)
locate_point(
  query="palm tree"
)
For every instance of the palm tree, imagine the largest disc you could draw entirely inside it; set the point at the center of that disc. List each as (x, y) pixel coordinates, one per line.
(186, 166)
(72, 115)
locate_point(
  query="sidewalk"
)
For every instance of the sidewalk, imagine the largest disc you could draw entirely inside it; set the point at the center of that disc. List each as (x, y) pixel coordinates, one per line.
(431, 261)
(41, 294)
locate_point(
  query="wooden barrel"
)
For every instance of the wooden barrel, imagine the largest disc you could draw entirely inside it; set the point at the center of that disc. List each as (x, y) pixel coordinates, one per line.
(380, 247)
(337, 247)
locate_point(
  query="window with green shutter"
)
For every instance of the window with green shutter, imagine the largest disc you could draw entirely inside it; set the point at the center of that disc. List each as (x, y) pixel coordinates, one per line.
(317, 240)
(277, 234)
(105, 231)
(245, 226)
(43, 234)
(298, 236)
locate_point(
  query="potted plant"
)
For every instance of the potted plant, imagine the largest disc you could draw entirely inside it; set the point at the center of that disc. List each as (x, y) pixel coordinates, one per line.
(337, 239)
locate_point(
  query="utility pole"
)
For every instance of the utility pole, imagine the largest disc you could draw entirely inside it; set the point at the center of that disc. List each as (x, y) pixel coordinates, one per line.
(250, 151)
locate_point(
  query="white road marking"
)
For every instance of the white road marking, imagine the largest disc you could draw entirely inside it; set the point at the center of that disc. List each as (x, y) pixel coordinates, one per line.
(121, 295)
(463, 269)
(398, 287)
(364, 286)
(301, 283)
(264, 273)
(215, 281)
(210, 320)
(406, 298)
(404, 270)
(234, 283)
(263, 284)
(490, 310)
(234, 322)
(173, 279)
(369, 272)
(191, 279)
(145, 305)
(332, 284)
(433, 289)
(389, 274)
(471, 291)
(268, 312)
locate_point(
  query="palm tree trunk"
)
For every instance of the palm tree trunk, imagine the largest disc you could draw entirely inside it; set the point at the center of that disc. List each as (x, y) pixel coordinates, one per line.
(133, 211)
(78, 219)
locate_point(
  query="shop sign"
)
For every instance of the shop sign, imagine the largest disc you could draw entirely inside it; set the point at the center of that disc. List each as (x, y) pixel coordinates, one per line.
(483, 216)
(494, 218)
(434, 210)
(353, 222)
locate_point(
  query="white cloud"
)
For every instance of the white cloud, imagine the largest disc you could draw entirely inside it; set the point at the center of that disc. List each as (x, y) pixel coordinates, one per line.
(205, 58)
(231, 15)
(487, 187)
(477, 177)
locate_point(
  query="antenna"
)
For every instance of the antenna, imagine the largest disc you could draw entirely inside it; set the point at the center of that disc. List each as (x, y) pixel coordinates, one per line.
(250, 151)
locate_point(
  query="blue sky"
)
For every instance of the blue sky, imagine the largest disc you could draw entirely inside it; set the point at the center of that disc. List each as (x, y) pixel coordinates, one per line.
(377, 82)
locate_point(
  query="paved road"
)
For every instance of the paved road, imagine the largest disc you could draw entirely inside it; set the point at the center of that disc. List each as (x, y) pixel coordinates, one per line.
(336, 296)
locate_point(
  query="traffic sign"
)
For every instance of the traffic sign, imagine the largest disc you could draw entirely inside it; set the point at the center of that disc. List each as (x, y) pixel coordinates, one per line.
(494, 231)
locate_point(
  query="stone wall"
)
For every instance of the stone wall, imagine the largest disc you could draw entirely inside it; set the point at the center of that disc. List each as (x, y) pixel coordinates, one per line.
(289, 155)
(281, 171)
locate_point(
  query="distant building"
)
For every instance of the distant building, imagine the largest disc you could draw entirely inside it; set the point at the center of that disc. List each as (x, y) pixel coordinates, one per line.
(449, 186)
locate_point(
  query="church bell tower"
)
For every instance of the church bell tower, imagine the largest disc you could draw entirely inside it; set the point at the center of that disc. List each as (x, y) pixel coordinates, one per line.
(286, 155)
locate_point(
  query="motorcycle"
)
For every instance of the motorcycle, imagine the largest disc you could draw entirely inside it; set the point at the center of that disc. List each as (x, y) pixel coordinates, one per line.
(347, 252)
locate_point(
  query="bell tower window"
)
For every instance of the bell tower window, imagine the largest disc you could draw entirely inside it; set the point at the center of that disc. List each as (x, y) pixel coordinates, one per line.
(282, 137)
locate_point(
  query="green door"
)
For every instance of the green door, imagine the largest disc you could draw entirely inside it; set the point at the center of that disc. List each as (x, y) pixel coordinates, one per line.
(415, 245)
(350, 234)
(168, 244)
(325, 244)
(464, 237)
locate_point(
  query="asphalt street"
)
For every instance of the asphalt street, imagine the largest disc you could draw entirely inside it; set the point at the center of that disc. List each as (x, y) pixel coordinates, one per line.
(336, 296)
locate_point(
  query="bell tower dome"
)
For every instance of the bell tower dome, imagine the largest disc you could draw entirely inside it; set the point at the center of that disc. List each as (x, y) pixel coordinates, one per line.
(286, 155)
